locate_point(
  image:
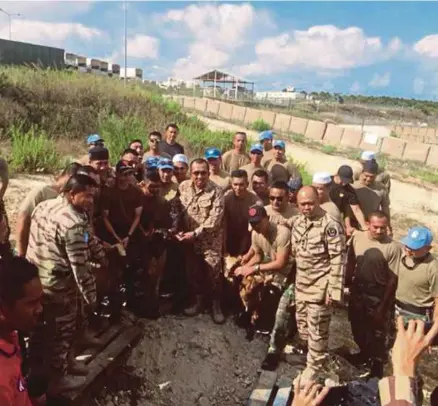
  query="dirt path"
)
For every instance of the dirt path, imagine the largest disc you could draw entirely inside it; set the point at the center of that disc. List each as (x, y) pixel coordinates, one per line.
(409, 203)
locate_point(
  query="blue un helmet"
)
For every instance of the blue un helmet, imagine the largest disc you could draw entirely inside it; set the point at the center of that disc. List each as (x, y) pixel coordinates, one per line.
(212, 153)
(151, 162)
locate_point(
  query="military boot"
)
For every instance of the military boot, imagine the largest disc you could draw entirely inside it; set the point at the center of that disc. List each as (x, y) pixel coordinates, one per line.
(195, 309)
(216, 312)
(66, 383)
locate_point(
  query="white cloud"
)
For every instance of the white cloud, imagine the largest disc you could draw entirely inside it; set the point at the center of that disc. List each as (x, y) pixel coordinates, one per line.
(418, 85)
(380, 80)
(45, 33)
(427, 46)
(215, 32)
(143, 46)
(320, 48)
(355, 87)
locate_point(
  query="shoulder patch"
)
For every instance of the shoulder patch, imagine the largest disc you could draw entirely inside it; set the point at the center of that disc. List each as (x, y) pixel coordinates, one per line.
(86, 237)
(332, 231)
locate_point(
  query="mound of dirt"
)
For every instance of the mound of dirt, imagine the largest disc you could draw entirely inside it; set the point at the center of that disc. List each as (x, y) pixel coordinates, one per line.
(187, 362)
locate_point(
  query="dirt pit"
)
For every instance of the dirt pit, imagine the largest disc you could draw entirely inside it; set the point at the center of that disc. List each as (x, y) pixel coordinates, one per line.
(186, 362)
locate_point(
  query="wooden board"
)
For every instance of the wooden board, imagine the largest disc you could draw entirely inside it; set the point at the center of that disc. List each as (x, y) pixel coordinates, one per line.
(264, 391)
(284, 393)
(106, 358)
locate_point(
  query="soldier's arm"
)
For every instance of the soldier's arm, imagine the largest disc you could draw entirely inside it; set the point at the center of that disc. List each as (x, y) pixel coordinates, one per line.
(214, 220)
(136, 221)
(397, 391)
(76, 249)
(109, 226)
(282, 255)
(335, 239)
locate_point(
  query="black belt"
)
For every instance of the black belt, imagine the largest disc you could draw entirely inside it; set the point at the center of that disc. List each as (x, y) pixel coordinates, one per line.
(424, 311)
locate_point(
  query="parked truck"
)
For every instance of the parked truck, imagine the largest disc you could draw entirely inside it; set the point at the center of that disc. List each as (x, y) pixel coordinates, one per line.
(113, 70)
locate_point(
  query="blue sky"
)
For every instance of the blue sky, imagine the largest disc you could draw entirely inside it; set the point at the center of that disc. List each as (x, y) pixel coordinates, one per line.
(374, 48)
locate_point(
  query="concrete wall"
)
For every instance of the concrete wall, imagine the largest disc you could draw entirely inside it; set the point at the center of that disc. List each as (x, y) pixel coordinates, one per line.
(415, 144)
(238, 113)
(298, 125)
(226, 110)
(393, 147)
(333, 134)
(315, 130)
(251, 115)
(282, 122)
(415, 151)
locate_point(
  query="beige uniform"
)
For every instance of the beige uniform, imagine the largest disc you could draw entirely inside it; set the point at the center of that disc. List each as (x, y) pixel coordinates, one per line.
(222, 179)
(418, 286)
(284, 218)
(267, 156)
(250, 169)
(372, 198)
(281, 170)
(382, 176)
(203, 212)
(37, 195)
(333, 210)
(268, 247)
(318, 246)
(231, 160)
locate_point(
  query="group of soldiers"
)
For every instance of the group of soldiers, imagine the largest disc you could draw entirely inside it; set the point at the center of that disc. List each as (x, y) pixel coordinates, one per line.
(234, 232)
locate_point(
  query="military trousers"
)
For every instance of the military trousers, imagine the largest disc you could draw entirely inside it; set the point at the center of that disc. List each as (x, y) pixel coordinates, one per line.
(283, 317)
(53, 337)
(313, 322)
(204, 271)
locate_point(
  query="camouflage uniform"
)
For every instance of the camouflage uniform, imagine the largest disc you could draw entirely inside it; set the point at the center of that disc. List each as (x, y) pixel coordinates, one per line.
(318, 246)
(282, 321)
(203, 212)
(58, 246)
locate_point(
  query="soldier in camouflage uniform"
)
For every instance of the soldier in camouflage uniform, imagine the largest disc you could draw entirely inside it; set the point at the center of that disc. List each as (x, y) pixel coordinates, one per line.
(318, 245)
(203, 207)
(58, 246)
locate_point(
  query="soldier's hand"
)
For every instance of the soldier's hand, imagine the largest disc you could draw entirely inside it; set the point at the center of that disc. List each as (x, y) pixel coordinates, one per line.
(311, 394)
(125, 241)
(244, 271)
(409, 344)
(186, 237)
(328, 300)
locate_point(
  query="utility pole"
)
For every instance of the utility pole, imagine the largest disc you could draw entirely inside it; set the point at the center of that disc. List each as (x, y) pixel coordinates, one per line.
(10, 15)
(125, 6)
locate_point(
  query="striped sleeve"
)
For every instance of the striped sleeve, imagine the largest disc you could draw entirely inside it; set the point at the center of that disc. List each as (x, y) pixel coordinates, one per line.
(397, 391)
(336, 247)
(76, 249)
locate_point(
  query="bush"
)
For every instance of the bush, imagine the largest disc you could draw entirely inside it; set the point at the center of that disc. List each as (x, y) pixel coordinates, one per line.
(329, 149)
(118, 132)
(260, 125)
(33, 151)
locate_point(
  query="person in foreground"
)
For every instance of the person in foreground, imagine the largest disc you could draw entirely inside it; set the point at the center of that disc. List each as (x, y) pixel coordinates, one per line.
(396, 390)
(21, 297)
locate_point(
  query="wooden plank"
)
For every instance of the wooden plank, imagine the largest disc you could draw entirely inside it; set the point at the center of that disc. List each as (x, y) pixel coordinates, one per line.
(284, 393)
(87, 355)
(264, 390)
(110, 355)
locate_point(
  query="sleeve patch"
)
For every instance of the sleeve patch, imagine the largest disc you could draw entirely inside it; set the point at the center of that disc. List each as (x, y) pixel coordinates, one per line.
(332, 232)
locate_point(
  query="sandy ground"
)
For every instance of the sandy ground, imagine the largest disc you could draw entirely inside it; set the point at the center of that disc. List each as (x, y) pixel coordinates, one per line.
(189, 362)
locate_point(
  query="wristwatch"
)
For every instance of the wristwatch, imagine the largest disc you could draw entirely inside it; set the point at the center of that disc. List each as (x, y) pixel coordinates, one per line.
(257, 268)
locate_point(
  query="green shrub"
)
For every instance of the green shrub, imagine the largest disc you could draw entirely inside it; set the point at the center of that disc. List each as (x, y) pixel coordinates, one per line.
(260, 125)
(199, 138)
(305, 174)
(33, 151)
(298, 138)
(329, 149)
(118, 132)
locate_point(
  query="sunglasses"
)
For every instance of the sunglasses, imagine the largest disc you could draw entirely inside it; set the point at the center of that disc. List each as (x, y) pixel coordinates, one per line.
(200, 173)
(154, 140)
(277, 198)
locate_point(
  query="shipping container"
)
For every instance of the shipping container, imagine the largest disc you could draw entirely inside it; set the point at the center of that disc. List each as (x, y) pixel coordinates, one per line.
(113, 69)
(132, 73)
(104, 67)
(21, 53)
(93, 64)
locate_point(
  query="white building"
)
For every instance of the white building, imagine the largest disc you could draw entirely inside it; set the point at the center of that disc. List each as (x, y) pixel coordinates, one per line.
(131, 73)
(178, 83)
(279, 95)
